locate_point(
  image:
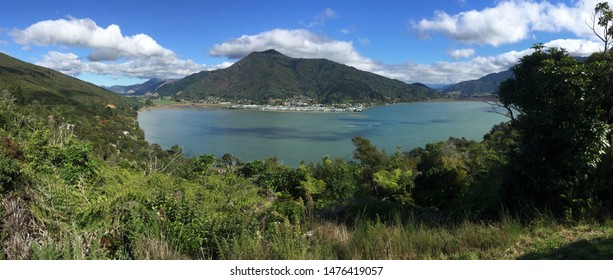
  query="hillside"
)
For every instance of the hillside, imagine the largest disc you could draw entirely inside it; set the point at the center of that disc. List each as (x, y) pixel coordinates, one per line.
(264, 76)
(145, 88)
(45, 86)
(98, 116)
(485, 85)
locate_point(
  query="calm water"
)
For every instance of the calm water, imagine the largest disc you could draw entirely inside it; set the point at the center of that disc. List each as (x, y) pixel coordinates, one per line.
(294, 136)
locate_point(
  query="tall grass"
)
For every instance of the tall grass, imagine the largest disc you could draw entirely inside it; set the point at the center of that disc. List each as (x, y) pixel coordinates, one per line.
(376, 239)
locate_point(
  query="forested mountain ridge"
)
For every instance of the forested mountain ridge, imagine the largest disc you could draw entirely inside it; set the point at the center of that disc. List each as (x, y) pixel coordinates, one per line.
(270, 75)
(486, 85)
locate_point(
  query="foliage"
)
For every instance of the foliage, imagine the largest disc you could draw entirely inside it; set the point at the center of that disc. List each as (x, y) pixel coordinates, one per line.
(395, 185)
(9, 172)
(563, 133)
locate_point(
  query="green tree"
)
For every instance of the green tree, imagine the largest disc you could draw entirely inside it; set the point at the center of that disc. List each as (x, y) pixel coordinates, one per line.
(443, 175)
(204, 163)
(562, 133)
(340, 180)
(395, 186)
(368, 155)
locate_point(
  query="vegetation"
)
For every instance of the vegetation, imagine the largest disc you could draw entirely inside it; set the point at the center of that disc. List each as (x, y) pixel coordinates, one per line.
(262, 77)
(86, 186)
(486, 86)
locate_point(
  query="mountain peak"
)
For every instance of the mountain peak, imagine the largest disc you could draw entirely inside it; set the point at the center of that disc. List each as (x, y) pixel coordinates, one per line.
(264, 77)
(271, 52)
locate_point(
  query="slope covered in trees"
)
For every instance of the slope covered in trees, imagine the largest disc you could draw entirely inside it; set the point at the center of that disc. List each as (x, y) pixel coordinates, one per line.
(484, 86)
(262, 76)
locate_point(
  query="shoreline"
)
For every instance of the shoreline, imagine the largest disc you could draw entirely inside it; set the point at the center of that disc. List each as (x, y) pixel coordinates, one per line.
(187, 106)
(270, 108)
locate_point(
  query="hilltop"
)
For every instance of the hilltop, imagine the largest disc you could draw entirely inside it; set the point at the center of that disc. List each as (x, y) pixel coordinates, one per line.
(264, 76)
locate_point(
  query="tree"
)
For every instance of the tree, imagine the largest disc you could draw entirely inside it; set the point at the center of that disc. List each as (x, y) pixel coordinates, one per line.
(563, 136)
(395, 185)
(604, 15)
(204, 163)
(340, 180)
(368, 154)
(443, 174)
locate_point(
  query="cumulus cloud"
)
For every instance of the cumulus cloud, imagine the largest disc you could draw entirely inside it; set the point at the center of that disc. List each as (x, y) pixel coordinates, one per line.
(298, 43)
(111, 52)
(461, 53)
(576, 47)
(305, 44)
(510, 21)
(450, 72)
(153, 67)
(108, 44)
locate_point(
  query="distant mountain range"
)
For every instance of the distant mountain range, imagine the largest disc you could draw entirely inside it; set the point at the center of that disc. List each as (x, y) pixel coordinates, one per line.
(483, 86)
(269, 75)
(264, 76)
(145, 88)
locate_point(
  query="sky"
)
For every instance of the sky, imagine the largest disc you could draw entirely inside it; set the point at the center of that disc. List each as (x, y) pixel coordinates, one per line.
(432, 42)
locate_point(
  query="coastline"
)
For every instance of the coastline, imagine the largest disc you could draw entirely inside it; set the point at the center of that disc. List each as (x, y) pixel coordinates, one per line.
(456, 100)
(187, 106)
(271, 108)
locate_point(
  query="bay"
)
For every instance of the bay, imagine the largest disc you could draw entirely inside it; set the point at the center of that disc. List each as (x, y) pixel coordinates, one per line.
(308, 136)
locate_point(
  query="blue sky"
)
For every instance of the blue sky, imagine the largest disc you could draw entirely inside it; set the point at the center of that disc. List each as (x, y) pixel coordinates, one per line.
(434, 42)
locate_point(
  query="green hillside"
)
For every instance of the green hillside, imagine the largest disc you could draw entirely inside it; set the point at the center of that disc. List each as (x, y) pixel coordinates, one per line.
(262, 76)
(485, 85)
(45, 86)
(103, 118)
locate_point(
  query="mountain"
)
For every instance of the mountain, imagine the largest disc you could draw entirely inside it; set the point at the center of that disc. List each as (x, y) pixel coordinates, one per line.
(145, 88)
(104, 119)
(264, 76)
(34, 84)
(485, 85)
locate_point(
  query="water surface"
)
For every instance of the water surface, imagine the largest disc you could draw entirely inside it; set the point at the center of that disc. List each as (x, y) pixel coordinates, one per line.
(308, 136)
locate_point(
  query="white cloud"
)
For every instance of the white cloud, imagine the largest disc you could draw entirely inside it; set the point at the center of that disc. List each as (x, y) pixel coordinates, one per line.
(510, 21)
(451, 72)
(153, 67)
(577, 47)
(461, 53)
(107, 44)
(111, 52)
(299, 43)
(305, 44)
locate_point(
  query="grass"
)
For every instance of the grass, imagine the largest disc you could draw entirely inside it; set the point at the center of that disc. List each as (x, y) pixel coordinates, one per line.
(369, 239)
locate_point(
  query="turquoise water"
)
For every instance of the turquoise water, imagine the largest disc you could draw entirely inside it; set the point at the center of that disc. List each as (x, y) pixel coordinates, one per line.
(299, 136)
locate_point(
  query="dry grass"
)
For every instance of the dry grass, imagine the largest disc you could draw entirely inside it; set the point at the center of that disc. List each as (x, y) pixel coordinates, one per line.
(17, 228)
(152, 248)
